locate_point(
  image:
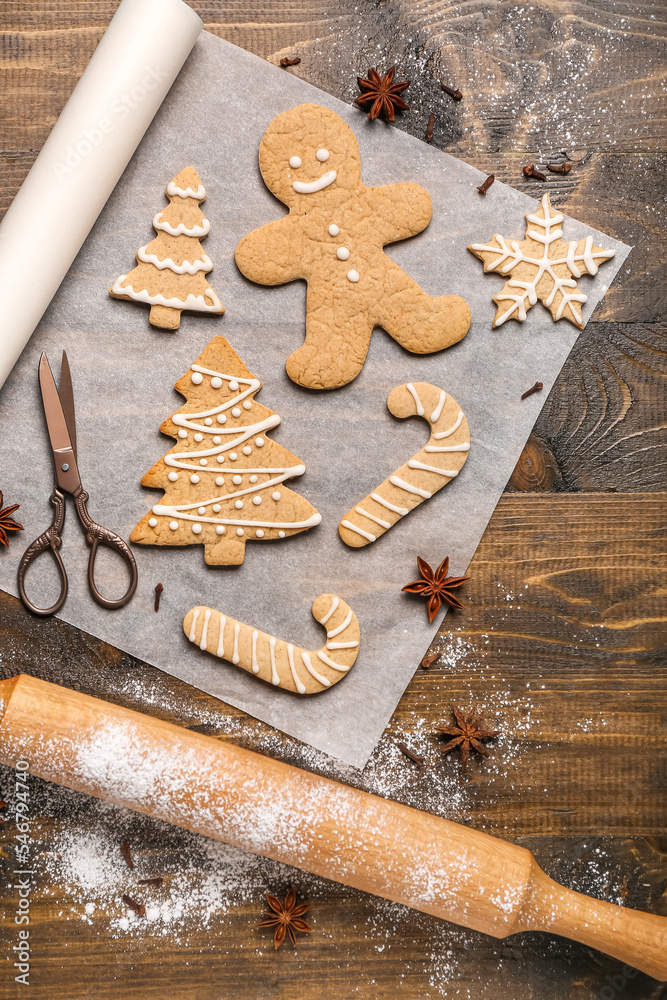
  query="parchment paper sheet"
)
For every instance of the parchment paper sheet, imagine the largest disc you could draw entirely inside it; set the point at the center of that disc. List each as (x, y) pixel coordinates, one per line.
(123, 372)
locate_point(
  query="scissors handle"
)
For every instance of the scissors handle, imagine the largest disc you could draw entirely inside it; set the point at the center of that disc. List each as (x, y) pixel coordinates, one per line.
(97, 535)
(50, 540)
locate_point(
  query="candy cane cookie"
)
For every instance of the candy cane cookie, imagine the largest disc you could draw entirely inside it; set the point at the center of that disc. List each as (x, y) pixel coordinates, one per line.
(423, 475)
(304, 671)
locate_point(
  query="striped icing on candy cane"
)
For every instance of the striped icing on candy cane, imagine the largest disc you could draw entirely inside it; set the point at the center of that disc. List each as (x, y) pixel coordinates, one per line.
(275, 661)
(438, 462)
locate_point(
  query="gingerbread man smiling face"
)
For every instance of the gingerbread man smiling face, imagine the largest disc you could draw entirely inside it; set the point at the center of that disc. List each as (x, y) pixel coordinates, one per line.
(333, 238)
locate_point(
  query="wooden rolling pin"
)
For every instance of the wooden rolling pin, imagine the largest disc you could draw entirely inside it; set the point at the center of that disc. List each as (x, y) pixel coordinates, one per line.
(262, 805)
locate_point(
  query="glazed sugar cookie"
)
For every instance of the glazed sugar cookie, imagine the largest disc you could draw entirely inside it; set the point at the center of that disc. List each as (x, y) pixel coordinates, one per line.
(423, 475)
(304, 671)
(171, 270)
(333, 237)
(541, 267)
(224, 479)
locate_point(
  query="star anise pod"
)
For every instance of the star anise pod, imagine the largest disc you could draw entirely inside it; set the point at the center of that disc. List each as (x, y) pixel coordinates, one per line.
(437, 587)
(7, 522)
(286, 918)
(467, 734)
(382, 94)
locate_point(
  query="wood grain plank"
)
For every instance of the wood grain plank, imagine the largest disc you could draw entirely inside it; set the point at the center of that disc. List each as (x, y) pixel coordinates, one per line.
(360, 946)
(561, 644)
(603, 426)
(40, 65)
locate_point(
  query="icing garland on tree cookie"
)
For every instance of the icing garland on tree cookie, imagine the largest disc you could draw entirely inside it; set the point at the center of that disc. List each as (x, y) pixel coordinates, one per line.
(542, 267)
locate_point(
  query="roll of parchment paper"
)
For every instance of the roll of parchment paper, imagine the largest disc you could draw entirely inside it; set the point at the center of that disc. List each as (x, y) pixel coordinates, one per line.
(112, 105)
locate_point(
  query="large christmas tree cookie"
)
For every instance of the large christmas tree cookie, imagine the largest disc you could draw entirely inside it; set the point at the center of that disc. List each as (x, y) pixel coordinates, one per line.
(171, 270)
(334, 237)
(224, 479)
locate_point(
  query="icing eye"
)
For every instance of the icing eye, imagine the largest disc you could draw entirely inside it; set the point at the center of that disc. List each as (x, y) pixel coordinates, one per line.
(322, 155)
(295, 161)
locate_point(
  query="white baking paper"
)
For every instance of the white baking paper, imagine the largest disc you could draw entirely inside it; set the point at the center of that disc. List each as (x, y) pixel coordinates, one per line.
(124, 370)
(78, 167)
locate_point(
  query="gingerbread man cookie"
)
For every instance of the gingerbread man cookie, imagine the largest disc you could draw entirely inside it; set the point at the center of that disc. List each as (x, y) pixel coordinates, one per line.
(440, 461)
(334, 237)
(275, 661)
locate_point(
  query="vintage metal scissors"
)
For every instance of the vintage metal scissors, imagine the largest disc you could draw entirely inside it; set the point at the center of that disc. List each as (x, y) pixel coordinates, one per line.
(61, 426)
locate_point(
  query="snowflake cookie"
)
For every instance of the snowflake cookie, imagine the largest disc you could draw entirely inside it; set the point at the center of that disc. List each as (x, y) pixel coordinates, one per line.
(541, 267)
(224, 479)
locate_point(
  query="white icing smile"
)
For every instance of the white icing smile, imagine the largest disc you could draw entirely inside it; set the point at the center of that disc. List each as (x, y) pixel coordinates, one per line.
(322, 182)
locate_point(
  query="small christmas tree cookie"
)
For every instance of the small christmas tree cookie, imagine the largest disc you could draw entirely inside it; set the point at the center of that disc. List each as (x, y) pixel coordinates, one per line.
(171, 270)
(224, 478)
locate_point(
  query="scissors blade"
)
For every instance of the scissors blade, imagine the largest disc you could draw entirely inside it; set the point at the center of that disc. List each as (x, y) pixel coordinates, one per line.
(67, 400)
(64, 459)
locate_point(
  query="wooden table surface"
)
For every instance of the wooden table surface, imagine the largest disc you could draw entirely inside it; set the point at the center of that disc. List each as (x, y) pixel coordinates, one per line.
(562, 632)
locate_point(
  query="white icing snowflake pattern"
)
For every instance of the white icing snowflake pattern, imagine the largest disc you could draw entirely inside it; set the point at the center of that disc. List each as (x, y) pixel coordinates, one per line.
(542, 267)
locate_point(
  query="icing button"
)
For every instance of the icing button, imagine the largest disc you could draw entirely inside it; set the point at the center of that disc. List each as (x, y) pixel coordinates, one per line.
(197, 378)
(342, 253)
(333, 230)
(353, 276)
